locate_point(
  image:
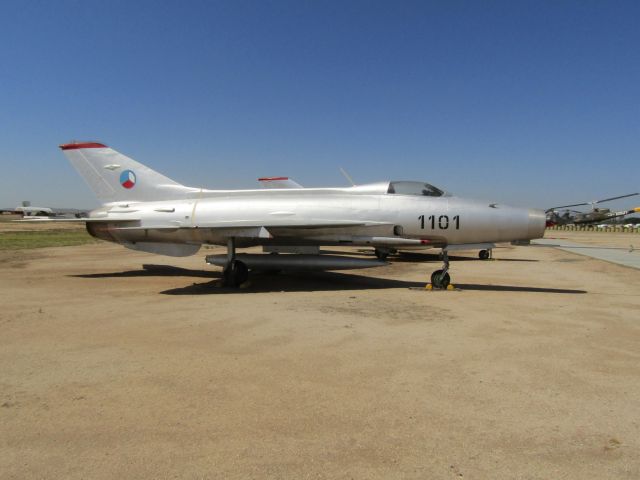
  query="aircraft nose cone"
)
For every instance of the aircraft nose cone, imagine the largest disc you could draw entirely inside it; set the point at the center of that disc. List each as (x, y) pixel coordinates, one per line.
(537, 223)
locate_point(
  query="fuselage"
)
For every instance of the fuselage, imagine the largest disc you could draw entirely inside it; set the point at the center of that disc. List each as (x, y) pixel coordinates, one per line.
(362, 215)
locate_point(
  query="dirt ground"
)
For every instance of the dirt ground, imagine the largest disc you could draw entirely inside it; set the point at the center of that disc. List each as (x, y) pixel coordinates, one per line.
(109, 370)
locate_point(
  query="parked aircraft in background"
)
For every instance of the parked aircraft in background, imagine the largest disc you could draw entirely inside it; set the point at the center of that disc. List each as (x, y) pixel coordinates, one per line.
(34, 213)
(26, 210)
(596, 214)
(144, 210)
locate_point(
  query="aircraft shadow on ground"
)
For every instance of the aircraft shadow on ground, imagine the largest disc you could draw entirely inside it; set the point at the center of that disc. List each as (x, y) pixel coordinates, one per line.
(298, 282)
(149, 270)
(512, 288)
(333, 281)
(260, 282)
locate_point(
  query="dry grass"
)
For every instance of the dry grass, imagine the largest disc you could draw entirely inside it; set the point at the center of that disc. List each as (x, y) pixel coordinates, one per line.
(43, 238)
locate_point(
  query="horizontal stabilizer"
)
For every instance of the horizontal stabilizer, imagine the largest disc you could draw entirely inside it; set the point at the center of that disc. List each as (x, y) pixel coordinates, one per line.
(278, 182)
(111, 219)
(168, 249)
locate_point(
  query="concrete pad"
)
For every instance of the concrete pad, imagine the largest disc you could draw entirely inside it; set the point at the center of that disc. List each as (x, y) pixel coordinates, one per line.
(629, 257)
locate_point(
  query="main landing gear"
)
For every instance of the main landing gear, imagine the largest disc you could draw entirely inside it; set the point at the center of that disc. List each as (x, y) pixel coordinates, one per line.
(440, 279)
(485, 254)
(382, 252)
(236, 272)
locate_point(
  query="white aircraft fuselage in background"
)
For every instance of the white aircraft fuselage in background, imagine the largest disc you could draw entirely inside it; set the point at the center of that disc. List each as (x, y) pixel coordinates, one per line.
(147, 211)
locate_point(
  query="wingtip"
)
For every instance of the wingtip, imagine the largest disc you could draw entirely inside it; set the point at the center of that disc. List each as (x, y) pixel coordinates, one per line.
(79, 145)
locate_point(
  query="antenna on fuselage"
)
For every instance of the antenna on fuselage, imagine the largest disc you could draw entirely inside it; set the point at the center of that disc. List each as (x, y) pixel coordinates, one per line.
(347, 176)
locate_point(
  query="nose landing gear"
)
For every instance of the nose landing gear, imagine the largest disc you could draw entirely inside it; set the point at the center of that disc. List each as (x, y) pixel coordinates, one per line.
(440, 279)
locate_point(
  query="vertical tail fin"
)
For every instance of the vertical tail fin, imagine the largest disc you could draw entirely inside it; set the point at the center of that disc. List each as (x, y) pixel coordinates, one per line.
(114, 177)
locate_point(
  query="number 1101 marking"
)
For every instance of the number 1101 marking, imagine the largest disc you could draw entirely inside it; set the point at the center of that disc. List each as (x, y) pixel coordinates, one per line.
(442, 222)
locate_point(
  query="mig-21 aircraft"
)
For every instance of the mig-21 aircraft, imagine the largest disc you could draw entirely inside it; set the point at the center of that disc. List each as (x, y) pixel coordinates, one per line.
(144, 210)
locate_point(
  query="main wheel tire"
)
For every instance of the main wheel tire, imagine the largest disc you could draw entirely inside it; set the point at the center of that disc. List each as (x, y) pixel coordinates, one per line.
(440, 281)
(483, 254)
(381, 254)
(236, 274)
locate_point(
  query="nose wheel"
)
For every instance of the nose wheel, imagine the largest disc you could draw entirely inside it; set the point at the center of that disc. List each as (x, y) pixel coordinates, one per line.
(440, 279)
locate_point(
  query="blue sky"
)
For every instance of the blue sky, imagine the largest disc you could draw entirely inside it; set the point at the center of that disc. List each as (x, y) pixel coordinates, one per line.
(529, 103)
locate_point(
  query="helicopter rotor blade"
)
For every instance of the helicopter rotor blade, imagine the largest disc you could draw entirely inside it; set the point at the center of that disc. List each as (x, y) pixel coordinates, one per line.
(616, 198)
(567, 206)
(591, 203)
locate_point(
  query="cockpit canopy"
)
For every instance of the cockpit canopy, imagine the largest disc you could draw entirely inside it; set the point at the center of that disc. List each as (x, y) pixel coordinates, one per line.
(415, 188)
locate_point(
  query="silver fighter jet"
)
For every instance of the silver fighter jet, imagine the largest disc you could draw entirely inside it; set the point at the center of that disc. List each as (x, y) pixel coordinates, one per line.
(144, 210)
